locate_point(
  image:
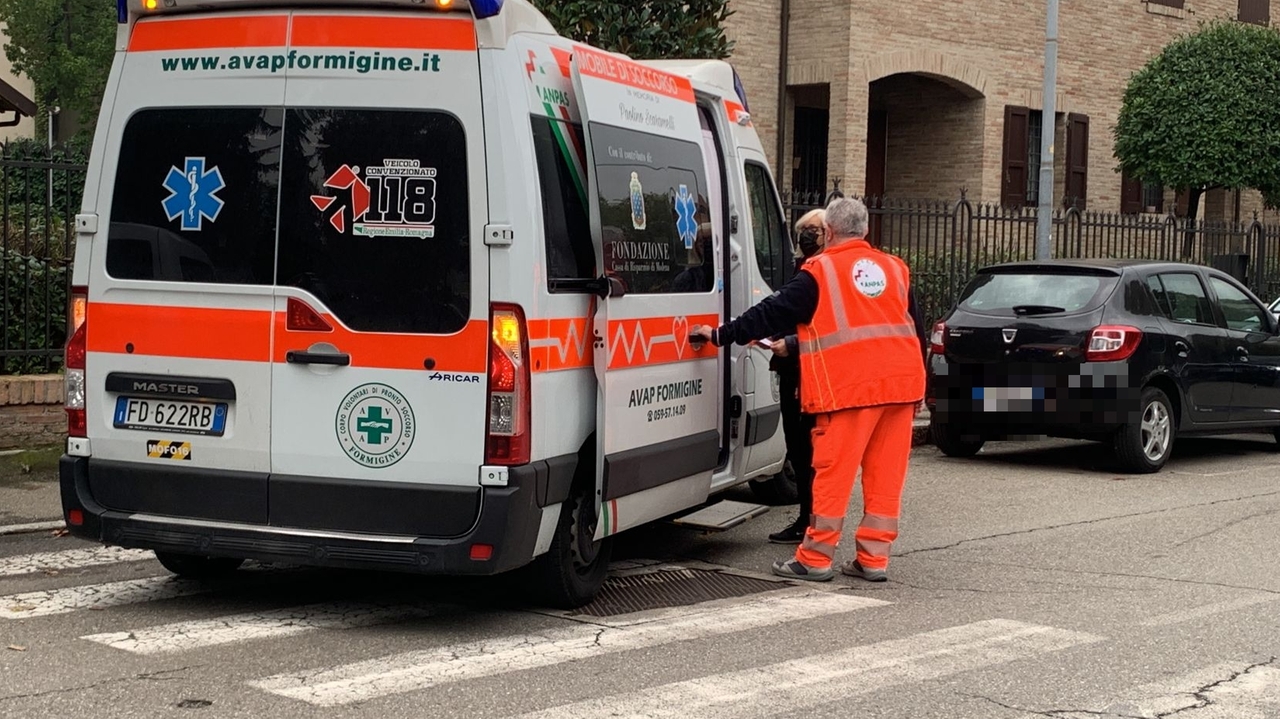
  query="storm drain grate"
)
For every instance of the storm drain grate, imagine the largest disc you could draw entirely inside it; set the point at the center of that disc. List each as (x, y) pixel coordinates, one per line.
(671, 588)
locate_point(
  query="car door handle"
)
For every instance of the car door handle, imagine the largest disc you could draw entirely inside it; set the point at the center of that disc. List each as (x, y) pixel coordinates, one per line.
(340, 359)
(1242, 354)
(1182, 348)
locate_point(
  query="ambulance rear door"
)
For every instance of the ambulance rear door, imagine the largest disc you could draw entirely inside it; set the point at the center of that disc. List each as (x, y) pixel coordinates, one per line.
(659, 410)
(379, 398)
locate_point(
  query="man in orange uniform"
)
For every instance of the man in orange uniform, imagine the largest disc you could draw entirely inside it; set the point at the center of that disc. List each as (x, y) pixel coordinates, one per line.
(862, 375)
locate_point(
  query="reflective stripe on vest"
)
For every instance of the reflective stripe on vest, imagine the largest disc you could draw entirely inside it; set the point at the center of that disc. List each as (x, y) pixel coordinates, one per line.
(845, 332)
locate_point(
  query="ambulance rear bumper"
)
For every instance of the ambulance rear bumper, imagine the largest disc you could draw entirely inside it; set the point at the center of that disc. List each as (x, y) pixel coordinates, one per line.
(508, 522)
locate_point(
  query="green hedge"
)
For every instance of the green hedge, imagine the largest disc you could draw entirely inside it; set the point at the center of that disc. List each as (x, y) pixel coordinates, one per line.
(33, 303)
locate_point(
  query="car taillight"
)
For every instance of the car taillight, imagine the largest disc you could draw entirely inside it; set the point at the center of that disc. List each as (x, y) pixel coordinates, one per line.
(1110, 343)
(77, 425)
(509, 407)
(938, 340)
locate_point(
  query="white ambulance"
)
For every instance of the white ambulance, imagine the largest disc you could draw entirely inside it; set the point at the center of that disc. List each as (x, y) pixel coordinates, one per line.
(408, 285)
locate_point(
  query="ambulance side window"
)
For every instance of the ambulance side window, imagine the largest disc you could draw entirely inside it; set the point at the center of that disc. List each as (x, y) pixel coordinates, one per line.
(558, 146)
(767, 226)
(195, 196)
(375, 217)
(654, 214)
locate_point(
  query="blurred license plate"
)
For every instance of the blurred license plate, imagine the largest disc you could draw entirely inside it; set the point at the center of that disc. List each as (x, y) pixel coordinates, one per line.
(1008, 399)
(173, 416)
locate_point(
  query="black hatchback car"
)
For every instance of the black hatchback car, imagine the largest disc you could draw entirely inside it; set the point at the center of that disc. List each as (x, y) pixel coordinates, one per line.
(1126, 351)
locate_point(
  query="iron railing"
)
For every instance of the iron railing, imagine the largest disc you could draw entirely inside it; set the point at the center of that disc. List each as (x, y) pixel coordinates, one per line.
(40, 192)
(946, 242)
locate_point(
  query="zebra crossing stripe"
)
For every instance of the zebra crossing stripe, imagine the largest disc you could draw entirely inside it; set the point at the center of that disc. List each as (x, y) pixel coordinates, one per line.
(413, 671)
(96, 596)
(69, 559)
(184, 636)
(1208, 610)
(792, 686)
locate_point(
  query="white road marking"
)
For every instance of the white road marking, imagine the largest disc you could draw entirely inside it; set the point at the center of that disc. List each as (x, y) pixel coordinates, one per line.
(1208, 610)
(69, 559)
(791, 686)
(422, 669)
(184, 636)
(96, 596)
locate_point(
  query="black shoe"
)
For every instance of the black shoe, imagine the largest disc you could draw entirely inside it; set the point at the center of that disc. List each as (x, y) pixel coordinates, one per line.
(791, 535)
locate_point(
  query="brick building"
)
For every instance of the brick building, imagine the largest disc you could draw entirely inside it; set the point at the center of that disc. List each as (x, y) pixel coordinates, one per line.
(919, 98)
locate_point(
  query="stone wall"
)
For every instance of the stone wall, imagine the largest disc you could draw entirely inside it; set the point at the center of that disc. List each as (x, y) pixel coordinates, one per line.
(31, 411)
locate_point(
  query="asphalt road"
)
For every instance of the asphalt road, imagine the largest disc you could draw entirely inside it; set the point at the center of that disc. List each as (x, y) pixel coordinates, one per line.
(1030, 581)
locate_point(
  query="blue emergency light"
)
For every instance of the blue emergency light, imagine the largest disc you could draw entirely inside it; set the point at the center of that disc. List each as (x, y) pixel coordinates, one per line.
(486, 8)
(122, 11)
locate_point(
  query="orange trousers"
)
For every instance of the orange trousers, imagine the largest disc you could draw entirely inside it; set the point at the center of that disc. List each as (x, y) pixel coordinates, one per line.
(876, 440)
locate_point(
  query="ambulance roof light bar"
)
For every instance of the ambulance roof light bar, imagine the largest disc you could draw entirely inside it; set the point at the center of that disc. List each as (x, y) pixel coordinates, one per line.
(480, 9)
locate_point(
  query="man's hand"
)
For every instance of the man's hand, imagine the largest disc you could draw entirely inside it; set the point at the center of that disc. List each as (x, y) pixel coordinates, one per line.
(780, 349)
(700, 334)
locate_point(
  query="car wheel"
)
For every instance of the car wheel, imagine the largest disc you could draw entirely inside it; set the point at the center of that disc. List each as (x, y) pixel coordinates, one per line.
(778, 490)
(573, 569)
(952, 441)
(1144, 446)
(190, 566)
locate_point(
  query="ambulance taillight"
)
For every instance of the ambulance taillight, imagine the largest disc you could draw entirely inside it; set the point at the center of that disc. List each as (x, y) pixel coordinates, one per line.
(77, 348)
(508, 443)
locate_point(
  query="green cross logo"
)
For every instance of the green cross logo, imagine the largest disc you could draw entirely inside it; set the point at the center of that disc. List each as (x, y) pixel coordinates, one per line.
(374, 426)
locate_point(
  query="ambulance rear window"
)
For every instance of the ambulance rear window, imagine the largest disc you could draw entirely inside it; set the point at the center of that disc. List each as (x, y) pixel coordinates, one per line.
(374, 217)
(195, 196)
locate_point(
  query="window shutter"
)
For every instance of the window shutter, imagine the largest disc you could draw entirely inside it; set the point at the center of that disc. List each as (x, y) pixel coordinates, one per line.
(1077, 160)
(1257, 12)
(1130, 195)
(1013, 191)
(1182, 203)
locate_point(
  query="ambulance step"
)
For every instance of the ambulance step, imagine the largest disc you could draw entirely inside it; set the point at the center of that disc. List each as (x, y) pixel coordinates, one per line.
(721, 516)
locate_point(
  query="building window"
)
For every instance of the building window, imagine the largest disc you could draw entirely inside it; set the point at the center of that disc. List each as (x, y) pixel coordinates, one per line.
(1257, 12)
(1138, 197)
(1023, 130)
(1180, 4)
(1152, 197)
(1035, 131)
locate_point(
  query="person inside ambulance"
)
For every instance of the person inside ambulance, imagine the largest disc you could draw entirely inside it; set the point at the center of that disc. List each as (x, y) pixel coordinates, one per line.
(862, 350)
(796, 426)
(700, 275)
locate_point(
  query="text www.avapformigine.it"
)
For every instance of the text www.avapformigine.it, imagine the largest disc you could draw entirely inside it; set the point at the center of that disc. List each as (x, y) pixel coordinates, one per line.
(351, 61)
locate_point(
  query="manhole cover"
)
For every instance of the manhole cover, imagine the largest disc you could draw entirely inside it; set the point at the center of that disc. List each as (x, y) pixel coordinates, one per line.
(671, 588)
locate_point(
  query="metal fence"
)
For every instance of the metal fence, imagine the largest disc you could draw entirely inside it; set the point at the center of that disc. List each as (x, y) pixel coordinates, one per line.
(946, 242)
(40, 192)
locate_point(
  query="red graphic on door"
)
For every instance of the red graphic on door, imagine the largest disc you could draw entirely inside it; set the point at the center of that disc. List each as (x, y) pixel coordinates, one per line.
(344, 178)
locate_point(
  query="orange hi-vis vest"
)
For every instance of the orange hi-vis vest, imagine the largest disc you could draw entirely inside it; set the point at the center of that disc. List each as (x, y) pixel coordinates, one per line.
(861, 349)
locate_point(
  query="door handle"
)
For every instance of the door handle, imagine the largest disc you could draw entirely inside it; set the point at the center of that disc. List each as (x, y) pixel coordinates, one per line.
(1182, 348)
(1242, 354)
(340, 359)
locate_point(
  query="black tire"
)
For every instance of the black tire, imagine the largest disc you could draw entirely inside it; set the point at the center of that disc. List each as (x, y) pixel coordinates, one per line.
(778, 490)
(573, 569)
(189, 566)
(1143, 447)
(949, 439)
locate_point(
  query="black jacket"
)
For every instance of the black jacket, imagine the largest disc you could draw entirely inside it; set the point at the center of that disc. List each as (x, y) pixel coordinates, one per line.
(795, 304)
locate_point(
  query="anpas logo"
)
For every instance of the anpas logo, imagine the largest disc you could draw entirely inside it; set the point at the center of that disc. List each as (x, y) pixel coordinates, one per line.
(868, 277)
(193, 194)
(397, 199)
(375, 425)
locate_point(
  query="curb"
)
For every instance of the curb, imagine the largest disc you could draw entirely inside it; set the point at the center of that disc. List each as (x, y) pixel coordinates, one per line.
(920, 433)
(32, 527)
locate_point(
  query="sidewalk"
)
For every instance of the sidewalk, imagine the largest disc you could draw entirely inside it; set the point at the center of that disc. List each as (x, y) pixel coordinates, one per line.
(29, 487)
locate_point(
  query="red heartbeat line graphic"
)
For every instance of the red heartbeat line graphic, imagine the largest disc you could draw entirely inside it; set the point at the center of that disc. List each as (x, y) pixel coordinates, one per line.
(576, 342)
(638, 341)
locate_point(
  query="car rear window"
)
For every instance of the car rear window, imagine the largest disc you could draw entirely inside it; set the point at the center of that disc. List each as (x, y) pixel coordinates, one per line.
(1036, 293)
(368, 210)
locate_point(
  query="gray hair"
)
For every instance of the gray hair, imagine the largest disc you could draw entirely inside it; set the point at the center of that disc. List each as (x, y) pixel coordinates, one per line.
(847, 218)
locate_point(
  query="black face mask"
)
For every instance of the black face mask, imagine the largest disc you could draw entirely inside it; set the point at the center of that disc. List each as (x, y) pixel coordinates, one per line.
(809, 241)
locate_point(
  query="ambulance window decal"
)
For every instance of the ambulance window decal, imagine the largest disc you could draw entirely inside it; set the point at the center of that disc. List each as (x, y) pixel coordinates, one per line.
(654, 214)
(195, 196)
(375, 217)
(558, 147)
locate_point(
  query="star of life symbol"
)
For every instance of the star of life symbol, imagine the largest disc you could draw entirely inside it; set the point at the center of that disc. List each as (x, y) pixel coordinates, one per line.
(193, 194)
(685, 223)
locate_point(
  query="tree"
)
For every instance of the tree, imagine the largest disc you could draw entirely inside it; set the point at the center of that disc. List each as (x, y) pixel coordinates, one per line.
(65, 47)
(645, 29)
(1205, 114)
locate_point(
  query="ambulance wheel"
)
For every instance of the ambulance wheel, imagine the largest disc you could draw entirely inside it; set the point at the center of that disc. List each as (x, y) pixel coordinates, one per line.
(574, 568)
(952, 442)
(778, 490)
(190, 566)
